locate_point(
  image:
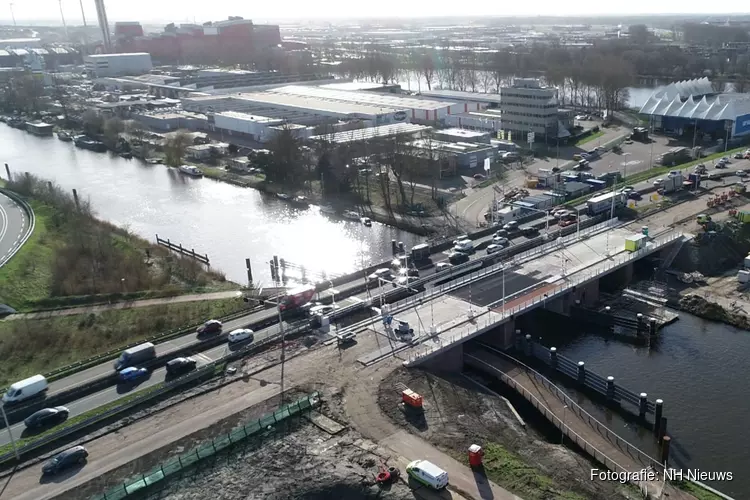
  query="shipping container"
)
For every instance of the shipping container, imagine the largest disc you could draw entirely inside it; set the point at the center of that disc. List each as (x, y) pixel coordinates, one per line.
(635, 242)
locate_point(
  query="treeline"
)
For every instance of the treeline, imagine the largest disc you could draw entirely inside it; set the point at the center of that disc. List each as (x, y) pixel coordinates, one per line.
(94, 257)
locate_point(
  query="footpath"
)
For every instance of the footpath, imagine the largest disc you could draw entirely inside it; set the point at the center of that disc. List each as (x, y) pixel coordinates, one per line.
(196, 297)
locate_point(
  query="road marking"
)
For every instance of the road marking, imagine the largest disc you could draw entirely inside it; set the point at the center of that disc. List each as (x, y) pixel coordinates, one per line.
(356, 299)
(203, 357)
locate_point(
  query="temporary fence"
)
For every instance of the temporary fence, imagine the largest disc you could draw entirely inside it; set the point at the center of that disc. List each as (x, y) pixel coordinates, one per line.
(209, 449)
(494, 314)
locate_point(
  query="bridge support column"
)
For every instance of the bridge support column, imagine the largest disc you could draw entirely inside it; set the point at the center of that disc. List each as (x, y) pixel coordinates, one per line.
(451, 360)
(627, 273)
(502, 337)
(557, 305)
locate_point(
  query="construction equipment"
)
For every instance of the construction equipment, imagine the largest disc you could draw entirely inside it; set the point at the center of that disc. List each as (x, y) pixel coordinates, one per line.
(387, 475)
(412, 399)
(476, 455)
(403, 329)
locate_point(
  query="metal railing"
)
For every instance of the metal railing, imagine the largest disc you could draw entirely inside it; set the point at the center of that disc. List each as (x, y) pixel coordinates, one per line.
(175, 465)
(639, 458)
(493, 317)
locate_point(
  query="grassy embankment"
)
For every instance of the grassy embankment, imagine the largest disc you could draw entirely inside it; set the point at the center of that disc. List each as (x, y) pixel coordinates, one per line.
(590, 138)
(72, 258)
(31, 346)
(696, 491)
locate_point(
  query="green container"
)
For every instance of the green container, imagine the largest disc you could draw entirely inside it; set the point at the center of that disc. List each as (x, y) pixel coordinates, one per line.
(644, 230)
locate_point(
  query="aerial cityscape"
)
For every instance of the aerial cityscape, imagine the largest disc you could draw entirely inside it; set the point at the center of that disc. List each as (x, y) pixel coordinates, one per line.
(450, 257)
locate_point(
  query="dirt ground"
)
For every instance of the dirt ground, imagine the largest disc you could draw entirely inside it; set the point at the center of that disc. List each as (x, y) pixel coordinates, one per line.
(458, 413)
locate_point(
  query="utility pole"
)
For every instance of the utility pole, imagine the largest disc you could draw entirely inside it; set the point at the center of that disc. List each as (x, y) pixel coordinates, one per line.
(12, 15)
(283, 353)
(10, 433)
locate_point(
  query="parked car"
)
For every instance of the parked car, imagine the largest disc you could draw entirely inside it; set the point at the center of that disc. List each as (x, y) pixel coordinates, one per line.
(71, 456)
(212, 326)
(179, 366)
(131, 374)
(442, 266)
(725, 159)
(240, 335)
(47, 416)
(721, 165)
(741, 173)
(739, 155)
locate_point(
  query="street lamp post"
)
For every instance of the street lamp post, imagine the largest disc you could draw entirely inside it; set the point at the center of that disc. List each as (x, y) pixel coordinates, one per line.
(562, 427)
(546, 219)
(10, 433)
(283, 352)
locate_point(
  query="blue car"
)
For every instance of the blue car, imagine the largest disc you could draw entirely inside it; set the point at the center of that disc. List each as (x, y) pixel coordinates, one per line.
(131, 373)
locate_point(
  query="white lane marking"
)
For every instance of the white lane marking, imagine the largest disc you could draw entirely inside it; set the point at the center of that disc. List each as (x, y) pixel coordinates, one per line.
(203, 357)
(356, 299)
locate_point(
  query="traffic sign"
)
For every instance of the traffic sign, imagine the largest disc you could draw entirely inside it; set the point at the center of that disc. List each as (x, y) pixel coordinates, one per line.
(530, 137)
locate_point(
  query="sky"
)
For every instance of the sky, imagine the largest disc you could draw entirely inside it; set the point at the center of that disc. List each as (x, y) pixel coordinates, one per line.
(186, 11)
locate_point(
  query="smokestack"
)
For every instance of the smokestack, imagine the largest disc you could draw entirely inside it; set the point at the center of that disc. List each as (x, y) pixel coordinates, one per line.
(101, 13)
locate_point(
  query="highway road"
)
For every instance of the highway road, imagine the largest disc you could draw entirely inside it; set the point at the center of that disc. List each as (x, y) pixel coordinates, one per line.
(13, 226)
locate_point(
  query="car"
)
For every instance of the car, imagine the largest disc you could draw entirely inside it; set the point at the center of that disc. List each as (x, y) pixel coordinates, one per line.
(380, 274)
(721, 165)
(442, 266)
(211, 326)
(242, 334)
(741, 173)
(404, 281)
(511, 226)
(494, 248)
(321, 309)
(458, 257)
(529, 231)
(501, 233)
(409, 271)
(465, 246)
(725, 159)
(739, 155)
(479, 177)
(634, 195)
(460, 239)
(46, 417)
(628, 189)
(181, 365)
(566, 223)
(131, 373)
(628, 141)
(63, 460)
(499, 240)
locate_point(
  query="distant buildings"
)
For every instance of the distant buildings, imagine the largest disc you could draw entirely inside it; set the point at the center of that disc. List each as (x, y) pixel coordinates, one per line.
(105, 65)
(233, 41)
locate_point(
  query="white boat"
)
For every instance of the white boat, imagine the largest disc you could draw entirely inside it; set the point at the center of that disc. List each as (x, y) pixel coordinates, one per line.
(283, 196)
(191, 170)
(351, 214)
(327, 209)
(366, 221)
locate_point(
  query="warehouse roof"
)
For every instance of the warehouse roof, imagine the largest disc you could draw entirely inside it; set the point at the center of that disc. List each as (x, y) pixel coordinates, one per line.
(314, 103)
(462, 96)
(371, 133)
(370, 98)
(716, 107)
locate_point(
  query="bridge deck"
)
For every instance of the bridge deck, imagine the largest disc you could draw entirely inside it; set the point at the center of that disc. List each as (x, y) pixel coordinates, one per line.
(579, 426)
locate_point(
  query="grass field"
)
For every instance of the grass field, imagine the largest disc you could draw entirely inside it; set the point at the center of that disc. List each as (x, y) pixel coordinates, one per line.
(28, 347)
(590, 138)
(697, 491)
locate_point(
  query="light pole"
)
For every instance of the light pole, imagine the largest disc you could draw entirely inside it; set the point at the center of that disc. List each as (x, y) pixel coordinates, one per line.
(283, 353)
(562, 427)
(10, 433)
(546, 219)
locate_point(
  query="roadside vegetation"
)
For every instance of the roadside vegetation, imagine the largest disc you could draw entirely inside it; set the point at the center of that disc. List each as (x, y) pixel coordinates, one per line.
(31, 346)
(74, 258)
(590, 138)
(697, 491)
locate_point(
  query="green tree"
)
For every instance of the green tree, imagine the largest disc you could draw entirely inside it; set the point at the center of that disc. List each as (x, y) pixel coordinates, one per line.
(92, 123)
(112, 129)
(286, 158)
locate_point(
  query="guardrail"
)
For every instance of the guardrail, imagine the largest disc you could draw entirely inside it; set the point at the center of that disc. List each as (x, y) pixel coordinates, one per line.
(174, 466)
(32, 223)
(636, 454)
(203, 371)
(478, 326)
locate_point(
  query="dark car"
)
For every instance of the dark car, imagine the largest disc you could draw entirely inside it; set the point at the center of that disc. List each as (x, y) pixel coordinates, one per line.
(131, 374)
(65, 459)
(529, 231)
(458, 258)
(46, 417)
(211, 326)
(178, 366)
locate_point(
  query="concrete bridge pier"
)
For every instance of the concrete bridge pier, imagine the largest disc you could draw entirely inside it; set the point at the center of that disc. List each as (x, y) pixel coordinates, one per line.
(588, 294)
(451, 360)
(502, 337)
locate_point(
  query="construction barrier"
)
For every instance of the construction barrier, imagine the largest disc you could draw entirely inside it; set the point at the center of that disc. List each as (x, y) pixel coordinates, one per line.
(176, 465)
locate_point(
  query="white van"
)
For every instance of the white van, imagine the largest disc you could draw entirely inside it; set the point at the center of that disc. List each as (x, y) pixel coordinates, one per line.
(26, 388)
(428, 474)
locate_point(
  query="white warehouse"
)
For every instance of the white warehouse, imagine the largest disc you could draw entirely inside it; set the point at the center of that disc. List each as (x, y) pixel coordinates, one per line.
(417, 110)
(256, 128)
(104, 65)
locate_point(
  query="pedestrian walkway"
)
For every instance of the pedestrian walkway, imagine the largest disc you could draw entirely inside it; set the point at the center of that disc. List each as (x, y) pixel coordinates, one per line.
(575, 423)
(127, 305)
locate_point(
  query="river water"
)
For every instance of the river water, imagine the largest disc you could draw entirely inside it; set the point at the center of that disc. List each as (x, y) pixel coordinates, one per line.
(700, 370)
(228, 222)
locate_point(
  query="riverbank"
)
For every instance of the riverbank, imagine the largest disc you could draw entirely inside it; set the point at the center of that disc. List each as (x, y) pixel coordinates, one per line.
(423, 226)
(73, 258)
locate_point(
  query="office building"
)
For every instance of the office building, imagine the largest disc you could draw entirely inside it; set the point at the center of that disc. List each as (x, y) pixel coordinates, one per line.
(104, 65)
(526, 106)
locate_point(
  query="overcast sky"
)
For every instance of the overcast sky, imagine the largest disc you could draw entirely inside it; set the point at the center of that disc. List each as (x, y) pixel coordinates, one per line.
(184, 11)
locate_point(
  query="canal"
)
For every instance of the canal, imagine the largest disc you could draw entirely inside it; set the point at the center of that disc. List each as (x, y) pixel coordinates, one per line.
(700, 369)
(228, 222)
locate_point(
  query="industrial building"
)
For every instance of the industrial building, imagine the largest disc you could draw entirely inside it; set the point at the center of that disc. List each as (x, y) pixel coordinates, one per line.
(256, 128)
(103, 65)
(693, 110)
(526, 106)
(416, 110)
(367, 134)
(474, 101)
(465, 158)
(487, 119)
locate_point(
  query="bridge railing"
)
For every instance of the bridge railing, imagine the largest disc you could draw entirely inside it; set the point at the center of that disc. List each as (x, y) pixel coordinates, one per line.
(489, 317)
(639, 457)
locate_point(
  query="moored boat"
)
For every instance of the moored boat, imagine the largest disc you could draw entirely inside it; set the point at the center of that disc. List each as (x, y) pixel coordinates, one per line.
(126, 154)
(327, 209)
(301, 201)
(283, 196)
(85, 142)
(366, 221)
(191, 170)
(64, 136)
(351, 214)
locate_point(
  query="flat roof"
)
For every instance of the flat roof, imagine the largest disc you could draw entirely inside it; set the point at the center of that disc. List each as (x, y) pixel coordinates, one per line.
(463, 132)
(351, 86)
(371, 133)
(317, 104)
(462, 95)
(247, 117)
(125, 54)
(370, 98)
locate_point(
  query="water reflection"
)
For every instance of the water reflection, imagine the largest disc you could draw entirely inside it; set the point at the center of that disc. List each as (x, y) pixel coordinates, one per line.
(228, 222)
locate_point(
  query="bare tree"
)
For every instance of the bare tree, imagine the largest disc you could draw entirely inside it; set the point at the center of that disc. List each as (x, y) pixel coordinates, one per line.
(138, 134)
(427, 69)
(175, 146)
(112, 129)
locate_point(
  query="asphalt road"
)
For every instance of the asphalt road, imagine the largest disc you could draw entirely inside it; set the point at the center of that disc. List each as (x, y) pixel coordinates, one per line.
(13, 225)
(485, 291)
